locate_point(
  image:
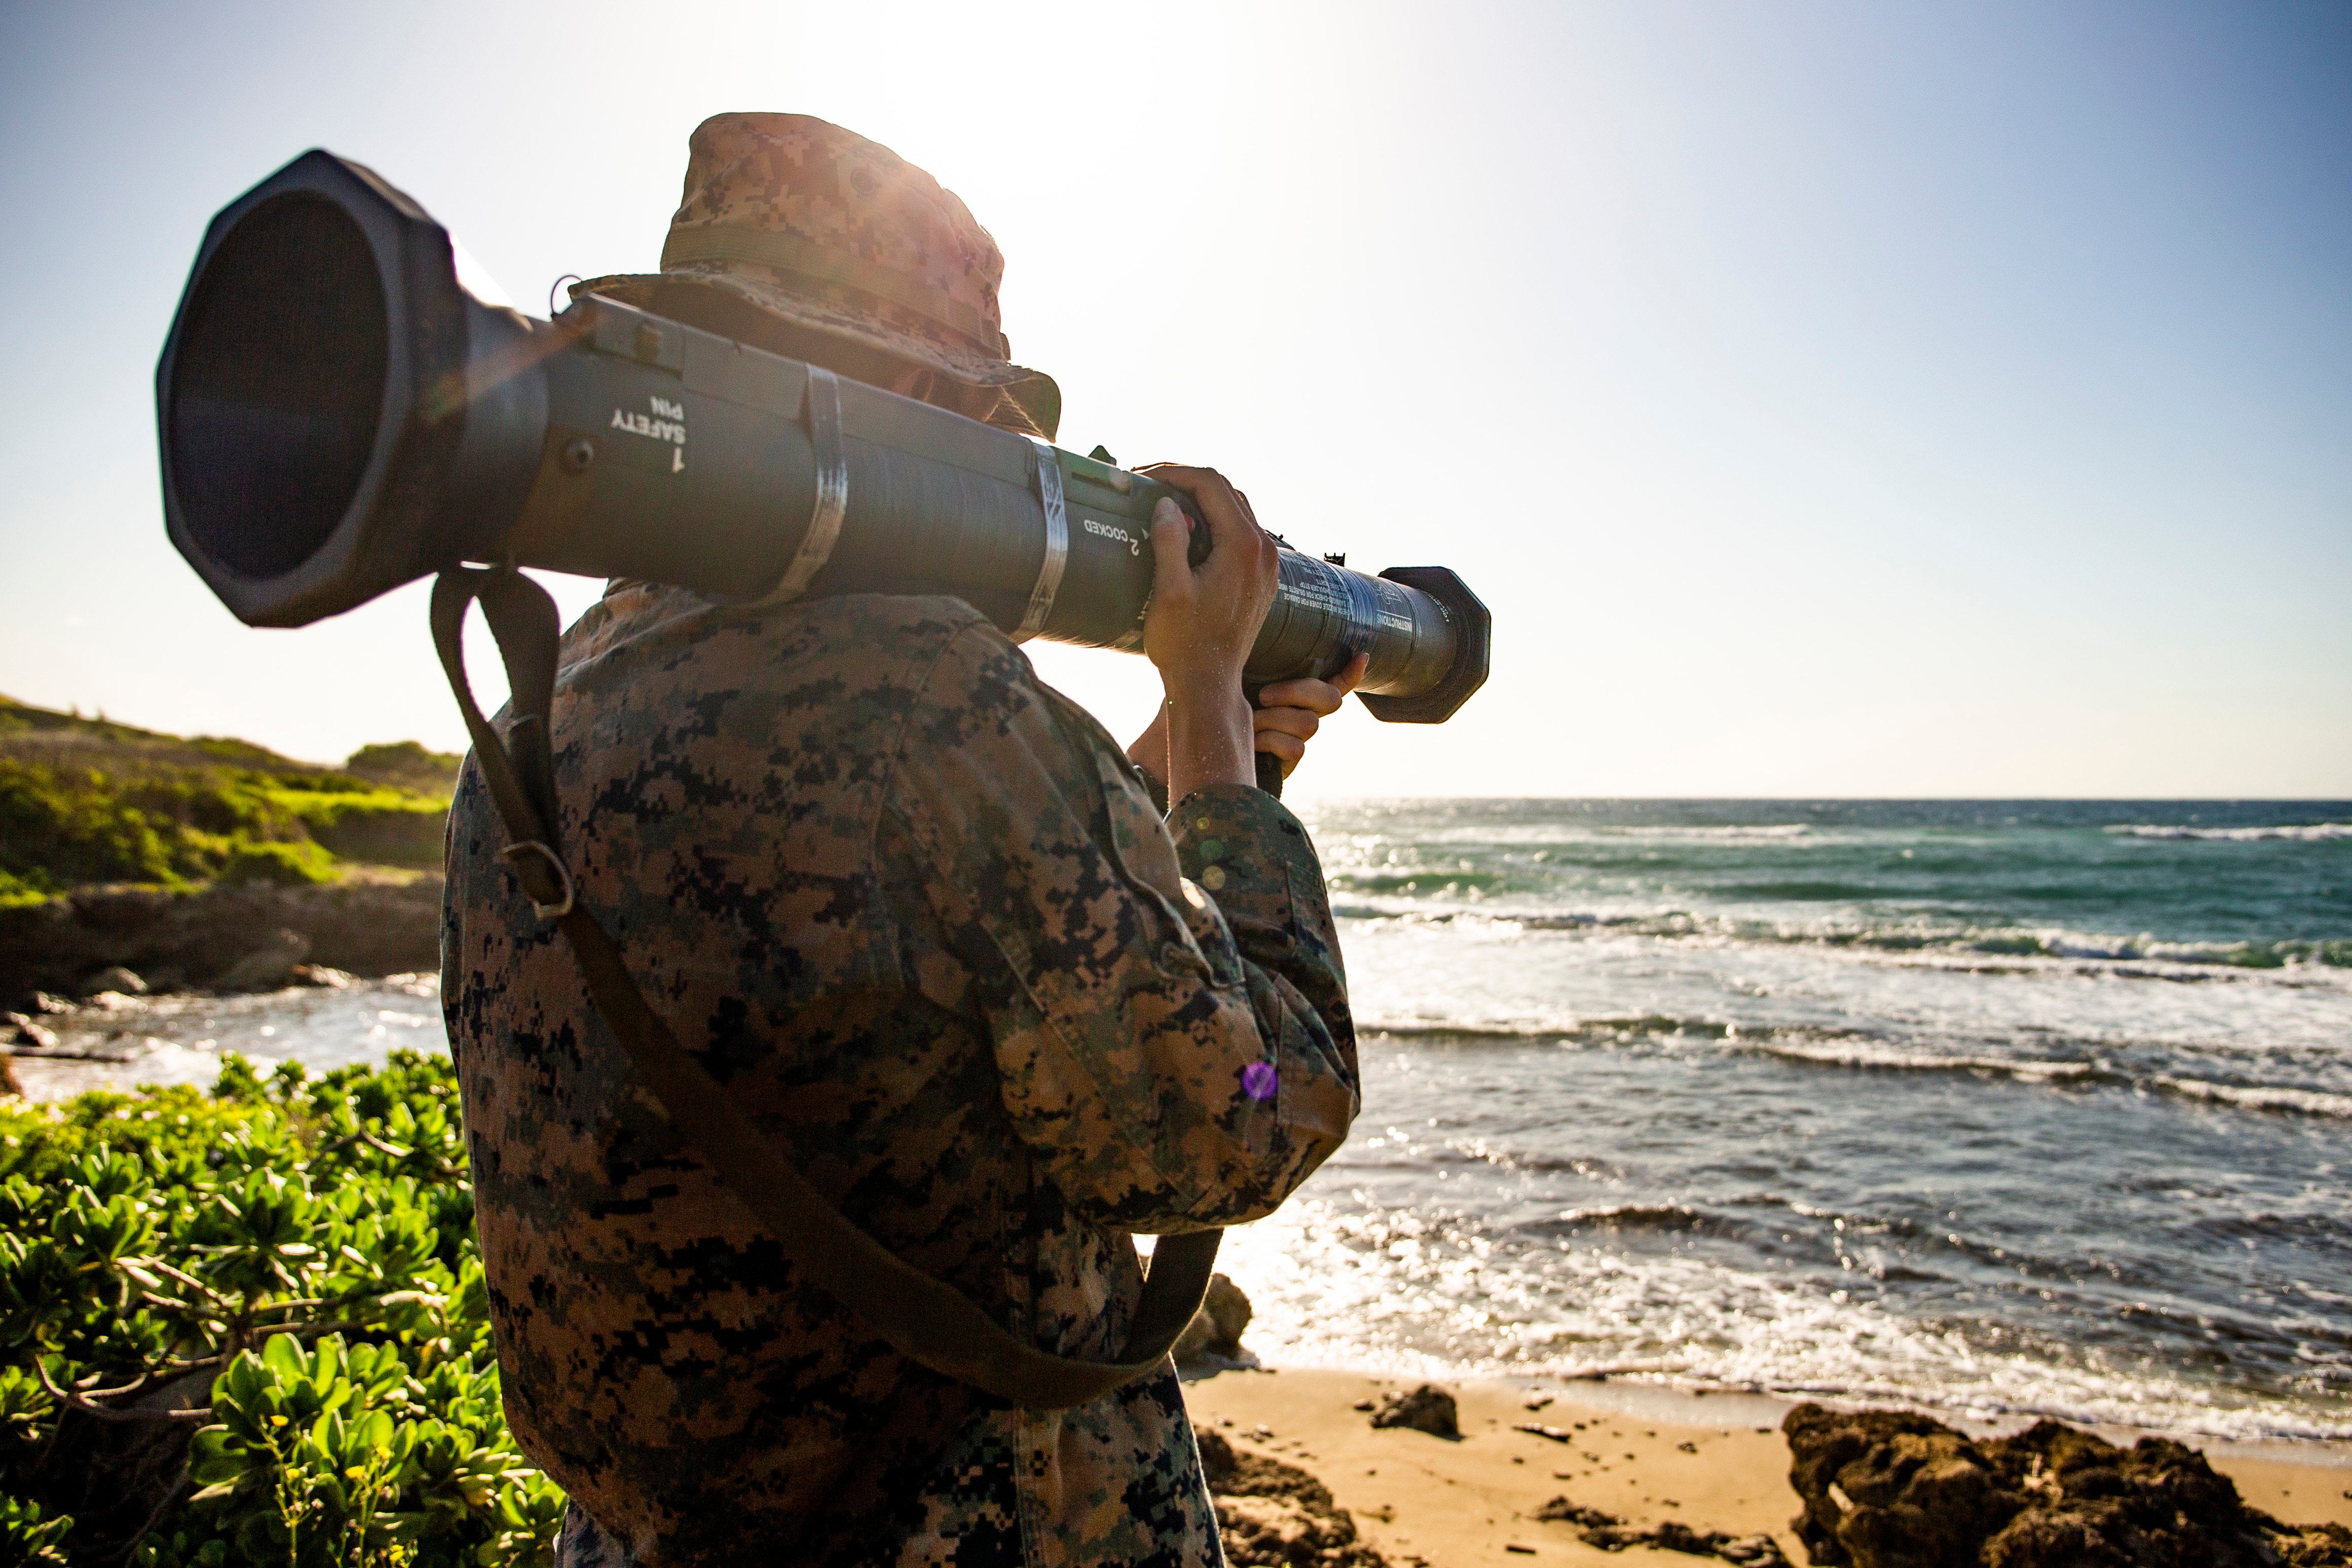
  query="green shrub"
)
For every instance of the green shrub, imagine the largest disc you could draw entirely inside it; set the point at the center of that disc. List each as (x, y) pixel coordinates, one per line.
(408, 766)
(27, 1537)
(45, 1141)
(60, 827)
(308, 1240)
(280, 865)
(83, 800)
(218, 800)
(33, 887)
(371, 823)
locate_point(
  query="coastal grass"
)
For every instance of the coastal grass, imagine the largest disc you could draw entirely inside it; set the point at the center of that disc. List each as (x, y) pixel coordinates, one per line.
(295, 1252)
(84, 801)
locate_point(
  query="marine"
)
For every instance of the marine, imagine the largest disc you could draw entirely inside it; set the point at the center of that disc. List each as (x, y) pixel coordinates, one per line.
(943, 939)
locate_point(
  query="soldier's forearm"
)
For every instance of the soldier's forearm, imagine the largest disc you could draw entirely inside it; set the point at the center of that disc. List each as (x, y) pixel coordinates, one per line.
(1210, 734)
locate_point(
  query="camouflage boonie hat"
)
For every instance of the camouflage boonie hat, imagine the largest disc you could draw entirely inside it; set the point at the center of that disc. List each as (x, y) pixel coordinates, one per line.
(787, 216)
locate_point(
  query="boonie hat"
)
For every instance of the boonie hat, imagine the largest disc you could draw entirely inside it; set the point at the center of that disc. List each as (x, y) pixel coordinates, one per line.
(786, 216)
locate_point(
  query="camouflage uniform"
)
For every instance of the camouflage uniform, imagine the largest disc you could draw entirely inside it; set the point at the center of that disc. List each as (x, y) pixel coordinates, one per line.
(918, 911)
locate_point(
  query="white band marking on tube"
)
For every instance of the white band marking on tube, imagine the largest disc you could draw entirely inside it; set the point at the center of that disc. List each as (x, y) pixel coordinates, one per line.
(831, 503)
(1058, 543)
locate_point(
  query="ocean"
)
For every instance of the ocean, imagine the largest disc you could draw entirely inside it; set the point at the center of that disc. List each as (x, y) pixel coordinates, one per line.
(1997, 1108)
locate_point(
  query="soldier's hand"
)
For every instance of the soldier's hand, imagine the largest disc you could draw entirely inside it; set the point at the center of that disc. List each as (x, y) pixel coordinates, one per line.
(1290, 711)
(1202, 622)
(1203, 619)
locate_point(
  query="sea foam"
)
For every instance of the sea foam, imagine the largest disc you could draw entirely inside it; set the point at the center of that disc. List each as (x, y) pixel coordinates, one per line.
(2315, 833)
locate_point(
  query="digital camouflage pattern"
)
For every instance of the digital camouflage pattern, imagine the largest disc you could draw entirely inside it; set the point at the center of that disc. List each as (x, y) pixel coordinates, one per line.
(917, 912)
(793, 216)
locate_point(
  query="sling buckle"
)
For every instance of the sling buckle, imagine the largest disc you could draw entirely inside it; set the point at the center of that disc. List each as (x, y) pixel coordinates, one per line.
(542, 889)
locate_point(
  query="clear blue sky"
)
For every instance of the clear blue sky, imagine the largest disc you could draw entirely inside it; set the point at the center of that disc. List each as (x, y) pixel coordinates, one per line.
(1828, 398)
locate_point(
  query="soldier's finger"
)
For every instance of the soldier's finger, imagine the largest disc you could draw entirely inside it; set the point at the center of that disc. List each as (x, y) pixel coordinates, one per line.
(1316, 696)
(1298, 722)
(1171, 531)
(1288, 748)
(1248, 511)
(1228, 522)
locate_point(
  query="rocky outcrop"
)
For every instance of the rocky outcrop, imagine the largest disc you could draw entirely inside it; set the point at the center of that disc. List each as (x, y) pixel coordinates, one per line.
(114, 978)
(1611, 1533)
(17, 1030)
(1216, 1329)
(1428, 1408)
(1273, 1515)
(1896, 1490)
(269, 965)
(1567, 1512)
(201, 938)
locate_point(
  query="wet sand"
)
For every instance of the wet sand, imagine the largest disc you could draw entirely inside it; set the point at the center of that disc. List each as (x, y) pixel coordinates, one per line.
(1713, 1462)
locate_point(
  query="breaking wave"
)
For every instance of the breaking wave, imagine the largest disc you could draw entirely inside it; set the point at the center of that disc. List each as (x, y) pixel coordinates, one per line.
(1614, 1291)
(1431, 897)
(1625, 1216)
(1887, 1057)
(2279, 1099)
(2261, 1097)
(1599, 1030)
(2317, 832)
(1864, 1053)
(1725, 834)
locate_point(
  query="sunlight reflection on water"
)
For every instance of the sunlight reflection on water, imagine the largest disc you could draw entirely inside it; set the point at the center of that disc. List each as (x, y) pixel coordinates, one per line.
(181, 1038)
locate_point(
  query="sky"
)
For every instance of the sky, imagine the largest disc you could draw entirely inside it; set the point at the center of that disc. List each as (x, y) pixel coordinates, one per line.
(1827, 398)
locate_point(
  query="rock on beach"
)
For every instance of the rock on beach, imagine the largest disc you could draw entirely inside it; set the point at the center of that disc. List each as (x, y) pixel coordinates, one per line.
(271, 965)
(1666, 1482)
(17, 1030)
(1428, 1408)
(114, 978)
(1273, 1515)
(1898, 1489)
(1216, 1329)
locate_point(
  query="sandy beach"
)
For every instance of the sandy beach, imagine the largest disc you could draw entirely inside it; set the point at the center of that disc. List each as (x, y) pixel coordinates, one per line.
(1712, 1462)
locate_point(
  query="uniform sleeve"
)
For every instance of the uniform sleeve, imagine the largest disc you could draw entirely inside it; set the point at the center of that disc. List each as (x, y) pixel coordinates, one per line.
(1170, 1026)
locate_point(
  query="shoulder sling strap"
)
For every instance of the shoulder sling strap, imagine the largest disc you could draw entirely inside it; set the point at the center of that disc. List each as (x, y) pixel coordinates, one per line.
(923, 1318)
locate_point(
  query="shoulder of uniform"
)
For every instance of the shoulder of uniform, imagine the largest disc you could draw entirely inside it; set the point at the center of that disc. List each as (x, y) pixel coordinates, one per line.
(974, 665)
(908, 621)
(982, 699)
(911, 622)
(1079, 721)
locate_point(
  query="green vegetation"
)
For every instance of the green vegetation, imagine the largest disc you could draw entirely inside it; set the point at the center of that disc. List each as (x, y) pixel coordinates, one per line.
(280, 865)
(84, 801)
(406, 765)
(305, 1243)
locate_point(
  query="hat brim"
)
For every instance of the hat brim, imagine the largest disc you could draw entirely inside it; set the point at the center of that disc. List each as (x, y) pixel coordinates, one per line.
(746, 308)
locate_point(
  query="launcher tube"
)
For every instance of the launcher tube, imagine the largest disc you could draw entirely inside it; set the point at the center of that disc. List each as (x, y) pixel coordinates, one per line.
(337, 416)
